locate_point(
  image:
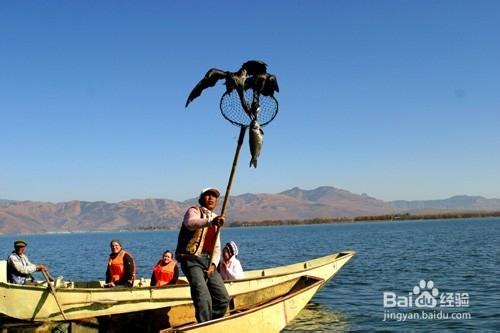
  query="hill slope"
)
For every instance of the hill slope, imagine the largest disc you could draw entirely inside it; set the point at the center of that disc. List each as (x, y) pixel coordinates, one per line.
(293, 204)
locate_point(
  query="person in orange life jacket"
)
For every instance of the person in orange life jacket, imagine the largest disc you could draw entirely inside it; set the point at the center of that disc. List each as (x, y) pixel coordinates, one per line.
(165, 271)
(121, 267)
(194, 248)
(19, 268)
(230, 267)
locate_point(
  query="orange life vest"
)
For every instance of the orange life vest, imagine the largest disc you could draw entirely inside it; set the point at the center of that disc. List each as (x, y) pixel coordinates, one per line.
(164, 274)
(117, 267)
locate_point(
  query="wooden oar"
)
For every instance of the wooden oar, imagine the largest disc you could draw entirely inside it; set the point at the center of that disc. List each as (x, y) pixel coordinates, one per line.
(230, 181)
(53, 291)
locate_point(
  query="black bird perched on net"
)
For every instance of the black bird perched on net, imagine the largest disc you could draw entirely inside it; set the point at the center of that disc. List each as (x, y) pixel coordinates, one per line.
(265, 84)
(233, 81)
(262, 84)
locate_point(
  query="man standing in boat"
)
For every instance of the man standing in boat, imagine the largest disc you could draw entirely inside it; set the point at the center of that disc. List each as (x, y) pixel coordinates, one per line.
(196, 243)
(19, 268)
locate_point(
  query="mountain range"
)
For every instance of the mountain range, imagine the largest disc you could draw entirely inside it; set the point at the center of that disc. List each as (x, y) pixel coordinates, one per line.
(18, 217)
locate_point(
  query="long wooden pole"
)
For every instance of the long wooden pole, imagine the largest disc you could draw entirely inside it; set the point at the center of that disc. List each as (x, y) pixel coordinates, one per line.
(53, 291)
(233, 169)
(230, 181)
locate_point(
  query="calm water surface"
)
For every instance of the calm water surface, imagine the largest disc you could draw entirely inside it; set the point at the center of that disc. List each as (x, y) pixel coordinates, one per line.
(459, 256)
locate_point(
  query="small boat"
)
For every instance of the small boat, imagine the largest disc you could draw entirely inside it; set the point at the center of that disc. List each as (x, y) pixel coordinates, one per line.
(270, 315)
(79, 300)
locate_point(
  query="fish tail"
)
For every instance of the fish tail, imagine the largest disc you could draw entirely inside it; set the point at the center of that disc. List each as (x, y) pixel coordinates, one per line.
(253, 162)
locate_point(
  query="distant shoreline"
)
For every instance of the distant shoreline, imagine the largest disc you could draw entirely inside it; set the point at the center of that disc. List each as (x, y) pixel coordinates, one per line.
(335, 220)
(368, 218)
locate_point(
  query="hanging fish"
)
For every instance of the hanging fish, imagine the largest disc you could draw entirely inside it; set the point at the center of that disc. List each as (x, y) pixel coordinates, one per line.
(256, 139)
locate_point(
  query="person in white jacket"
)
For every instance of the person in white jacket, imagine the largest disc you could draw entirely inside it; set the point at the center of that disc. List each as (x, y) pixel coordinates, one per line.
(230, 267)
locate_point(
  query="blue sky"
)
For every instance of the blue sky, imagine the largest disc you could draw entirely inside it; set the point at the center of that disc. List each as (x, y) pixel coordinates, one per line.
(396, 99)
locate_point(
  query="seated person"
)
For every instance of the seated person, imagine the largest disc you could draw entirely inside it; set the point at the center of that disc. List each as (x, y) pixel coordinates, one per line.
(230, 267)
(19, 268)
(165, 271)
(121, 267)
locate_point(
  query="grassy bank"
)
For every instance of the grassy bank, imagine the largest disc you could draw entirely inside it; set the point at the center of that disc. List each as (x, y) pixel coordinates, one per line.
(386, 217)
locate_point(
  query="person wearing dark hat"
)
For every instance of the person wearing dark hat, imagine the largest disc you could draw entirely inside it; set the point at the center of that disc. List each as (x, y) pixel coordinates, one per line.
(198, 252)
(121, 267)
(230, 267)
(19, 268)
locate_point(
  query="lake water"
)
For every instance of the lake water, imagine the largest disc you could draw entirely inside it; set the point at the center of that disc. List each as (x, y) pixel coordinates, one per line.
(461, 257)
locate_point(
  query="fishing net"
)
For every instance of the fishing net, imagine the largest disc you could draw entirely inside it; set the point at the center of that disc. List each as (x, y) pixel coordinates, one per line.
(232, 110)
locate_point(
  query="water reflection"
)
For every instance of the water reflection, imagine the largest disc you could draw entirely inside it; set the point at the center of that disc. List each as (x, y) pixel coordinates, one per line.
(318, 318)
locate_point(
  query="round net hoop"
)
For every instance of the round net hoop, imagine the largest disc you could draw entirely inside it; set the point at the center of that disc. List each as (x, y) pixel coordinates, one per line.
(232, 110)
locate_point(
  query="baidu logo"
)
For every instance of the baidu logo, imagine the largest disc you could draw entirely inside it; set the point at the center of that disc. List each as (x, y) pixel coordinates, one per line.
(426, 294)
(429, 301)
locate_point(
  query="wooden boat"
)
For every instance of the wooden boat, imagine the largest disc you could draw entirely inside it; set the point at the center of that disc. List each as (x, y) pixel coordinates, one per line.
(268, 309)
(80, 300)
(272, 314)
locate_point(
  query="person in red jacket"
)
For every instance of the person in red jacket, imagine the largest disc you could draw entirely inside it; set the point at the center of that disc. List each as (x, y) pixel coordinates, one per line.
(121, 267)
(165, 271)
